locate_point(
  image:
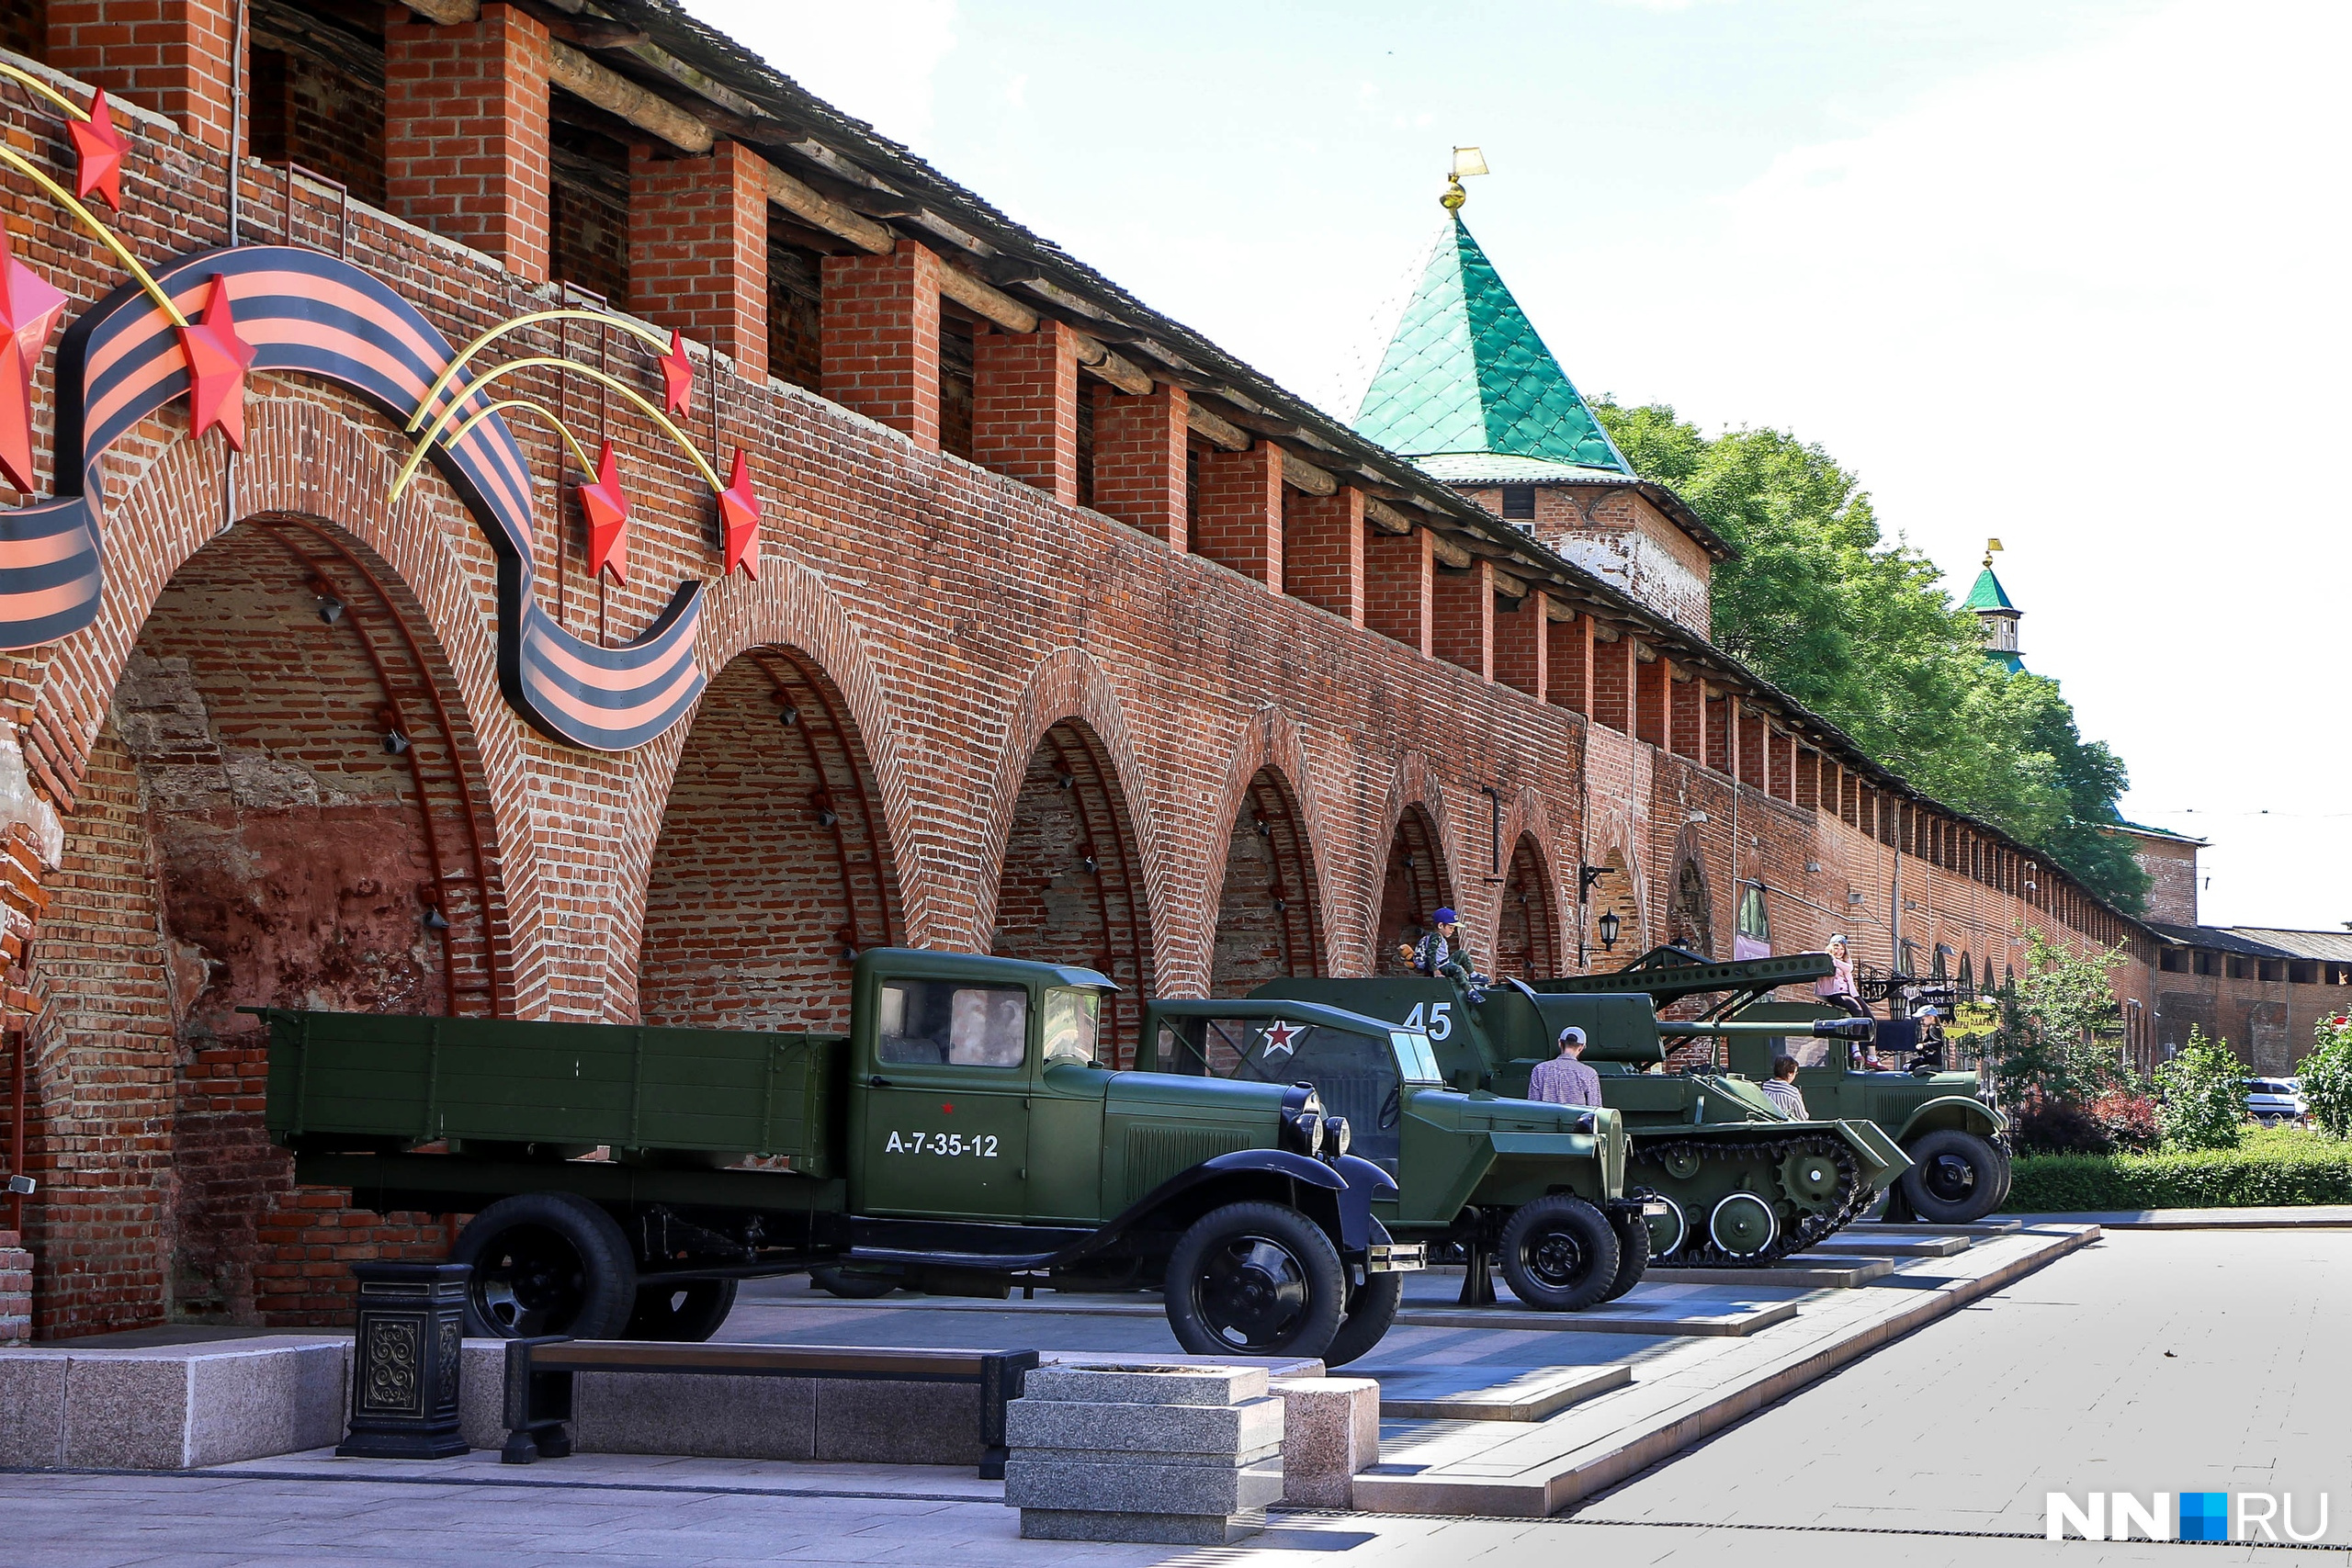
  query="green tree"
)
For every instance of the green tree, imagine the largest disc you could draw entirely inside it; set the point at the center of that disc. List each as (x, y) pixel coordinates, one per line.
(1862, 632)
(2326, 1076)
(2204, 1095)
(2050, 1045)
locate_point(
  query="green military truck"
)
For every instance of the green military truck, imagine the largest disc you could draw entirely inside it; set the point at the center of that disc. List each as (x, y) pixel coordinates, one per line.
(1957, 1145)
(1479, 1176)
(963, 1138)
(1724, 1177)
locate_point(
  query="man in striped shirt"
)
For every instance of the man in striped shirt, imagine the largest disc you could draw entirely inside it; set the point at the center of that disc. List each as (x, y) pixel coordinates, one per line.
(1564, 1079)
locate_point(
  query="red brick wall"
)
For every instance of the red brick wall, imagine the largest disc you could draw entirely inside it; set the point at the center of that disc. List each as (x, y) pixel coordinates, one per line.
(1024, 407)
(1523, 646)
(972, 634)
(466, 133)
(881, 339)
(1650, 699)
(1612, 684)
(1266, 911)
(1463, 624)
(1323, 551)
(1139, 467)
(172, 56)
(1237, 517)
(698, 251)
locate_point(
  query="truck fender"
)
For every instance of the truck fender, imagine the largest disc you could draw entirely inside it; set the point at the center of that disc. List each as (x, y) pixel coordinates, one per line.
(1282, 1163)
(1956, 1111)
(1366, 1184)
(1297, 1166)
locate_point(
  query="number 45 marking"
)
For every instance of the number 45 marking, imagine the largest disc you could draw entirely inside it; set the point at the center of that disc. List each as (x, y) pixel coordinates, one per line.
(1440, 1024)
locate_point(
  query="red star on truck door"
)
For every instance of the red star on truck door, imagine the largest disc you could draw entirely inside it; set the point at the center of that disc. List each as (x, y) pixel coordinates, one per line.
(99, 149)
(677, 375)
(607, 510)
(1279, 1038)
(28, 308)
(739, 515)
(217, 361)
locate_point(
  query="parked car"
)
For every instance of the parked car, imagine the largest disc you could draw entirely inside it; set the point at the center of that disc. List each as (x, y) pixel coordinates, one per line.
(2274, 1101)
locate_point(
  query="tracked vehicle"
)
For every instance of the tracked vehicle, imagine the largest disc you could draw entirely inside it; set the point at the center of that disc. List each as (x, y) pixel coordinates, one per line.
(1726, 1178)
(1957, 1144)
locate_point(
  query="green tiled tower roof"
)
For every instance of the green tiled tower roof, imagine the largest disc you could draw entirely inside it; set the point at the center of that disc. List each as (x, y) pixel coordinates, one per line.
(1988, 593)
(1468, 387)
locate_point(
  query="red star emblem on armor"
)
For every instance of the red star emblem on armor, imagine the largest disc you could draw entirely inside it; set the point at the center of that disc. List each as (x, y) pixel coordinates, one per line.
(99, 148)
(28, 308)
(739, 515)
(607, 510)
(1279, 1036)
(217, 361)
(677, 375)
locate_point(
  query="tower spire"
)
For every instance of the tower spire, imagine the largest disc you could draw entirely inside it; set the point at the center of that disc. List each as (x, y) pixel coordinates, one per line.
(1995, 614)
(1466, 161)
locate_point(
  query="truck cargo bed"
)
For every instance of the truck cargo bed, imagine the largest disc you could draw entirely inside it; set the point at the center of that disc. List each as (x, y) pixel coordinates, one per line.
(363, 1080)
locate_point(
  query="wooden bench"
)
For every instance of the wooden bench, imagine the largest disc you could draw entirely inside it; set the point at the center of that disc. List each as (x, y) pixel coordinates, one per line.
(540, 1373)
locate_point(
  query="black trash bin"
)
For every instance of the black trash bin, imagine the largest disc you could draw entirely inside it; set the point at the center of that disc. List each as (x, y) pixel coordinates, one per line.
(405, 1361)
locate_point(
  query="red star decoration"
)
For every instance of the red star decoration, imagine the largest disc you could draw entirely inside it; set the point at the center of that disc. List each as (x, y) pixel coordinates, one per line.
(1279, 1036)
(100, 148)
(607, 510)
(28, 308)
(678, 376)
(216, 362)
(739, 515)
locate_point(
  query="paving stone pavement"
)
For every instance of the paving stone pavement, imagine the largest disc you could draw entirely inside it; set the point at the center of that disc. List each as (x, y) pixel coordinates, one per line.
(2058, 1383)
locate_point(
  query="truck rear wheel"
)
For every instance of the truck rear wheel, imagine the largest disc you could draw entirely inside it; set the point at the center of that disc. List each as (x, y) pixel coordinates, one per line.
(546, 1263)
(686, 1311)
(1559, 1254)
(1255, 1279)
(1372, 1308)
(1632, 1253)
(1955, 1177)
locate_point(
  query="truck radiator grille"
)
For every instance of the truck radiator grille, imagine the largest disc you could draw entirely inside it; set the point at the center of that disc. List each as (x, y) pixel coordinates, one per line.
(1154, 1154)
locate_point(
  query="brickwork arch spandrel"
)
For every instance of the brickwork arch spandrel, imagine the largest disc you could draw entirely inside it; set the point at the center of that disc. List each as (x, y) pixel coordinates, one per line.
(1065, 684)
(1268, 739)
(310, 458)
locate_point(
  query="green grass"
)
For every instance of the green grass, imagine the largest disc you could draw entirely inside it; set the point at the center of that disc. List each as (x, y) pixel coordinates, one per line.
(2275, 1166)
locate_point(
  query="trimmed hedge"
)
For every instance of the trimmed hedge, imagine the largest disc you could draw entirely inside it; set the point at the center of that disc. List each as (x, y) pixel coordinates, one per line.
(2274, 1167)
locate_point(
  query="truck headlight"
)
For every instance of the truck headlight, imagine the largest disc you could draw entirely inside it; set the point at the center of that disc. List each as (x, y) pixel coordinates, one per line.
(1303, 1120)
(1337, 1135)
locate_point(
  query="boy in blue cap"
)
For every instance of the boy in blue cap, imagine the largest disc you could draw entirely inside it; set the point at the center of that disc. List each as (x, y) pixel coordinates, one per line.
(1439, 948)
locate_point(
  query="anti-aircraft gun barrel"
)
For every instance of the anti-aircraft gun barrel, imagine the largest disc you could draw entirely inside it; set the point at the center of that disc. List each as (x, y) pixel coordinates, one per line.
(1820, 1028)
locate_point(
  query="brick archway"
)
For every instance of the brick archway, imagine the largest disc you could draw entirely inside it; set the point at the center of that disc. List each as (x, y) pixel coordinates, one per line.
(1527, 920)
(774, 864)
(1416, 881)
(281, 803)
(1070, 890)
(1269, 913)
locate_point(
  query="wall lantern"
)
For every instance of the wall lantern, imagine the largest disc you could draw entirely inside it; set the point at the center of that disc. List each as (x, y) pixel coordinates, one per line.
(1609, 927)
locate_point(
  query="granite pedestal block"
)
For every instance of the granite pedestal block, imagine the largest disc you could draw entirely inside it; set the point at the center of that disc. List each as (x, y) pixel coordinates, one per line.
(1174, 1455)
(171, 1408)
(1330, 1434)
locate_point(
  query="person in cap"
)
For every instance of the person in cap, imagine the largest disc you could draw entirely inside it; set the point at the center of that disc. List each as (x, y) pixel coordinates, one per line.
(1930, 1051)
(1564, 1079)
(1440, 948)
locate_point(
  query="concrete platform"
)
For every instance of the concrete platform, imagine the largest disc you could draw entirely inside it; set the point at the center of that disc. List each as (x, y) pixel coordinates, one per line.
(1997, 1226)
(177, 1406)
(1681, 1391)
(1829, 1274)
(1472, 1394)
(1846, 1243)
(2320, 1216)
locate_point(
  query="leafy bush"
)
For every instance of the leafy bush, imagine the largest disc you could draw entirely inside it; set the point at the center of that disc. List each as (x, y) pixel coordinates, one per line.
(2130, 1120)
(2204, 1095)
(2281, 1167)
(2046, 1126)
(2326, 1076)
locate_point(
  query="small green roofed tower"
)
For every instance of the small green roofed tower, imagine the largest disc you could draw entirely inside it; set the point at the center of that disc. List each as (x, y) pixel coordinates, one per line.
(1466, 388)
(1999, 618)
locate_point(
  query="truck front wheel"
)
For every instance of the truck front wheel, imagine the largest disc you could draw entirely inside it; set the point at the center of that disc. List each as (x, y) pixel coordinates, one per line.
(546, 1263)
(1257, 1280)
(1372, 1307)
(1559, 1254)
(1955, 1177)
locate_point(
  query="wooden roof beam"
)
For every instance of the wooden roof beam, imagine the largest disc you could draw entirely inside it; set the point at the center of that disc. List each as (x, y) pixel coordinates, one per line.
(573, 72)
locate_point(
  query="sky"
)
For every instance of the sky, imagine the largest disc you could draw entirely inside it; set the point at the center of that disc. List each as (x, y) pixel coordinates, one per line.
(2062, 271)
